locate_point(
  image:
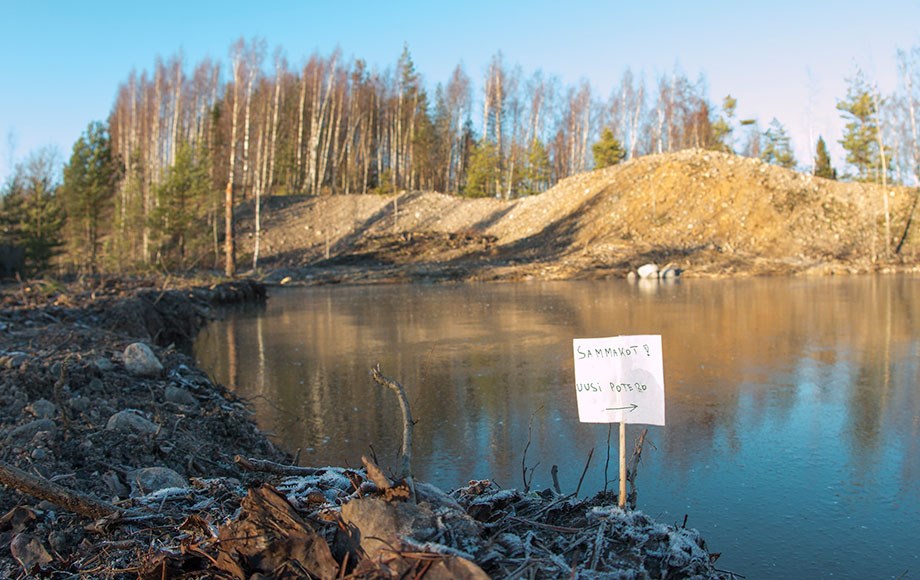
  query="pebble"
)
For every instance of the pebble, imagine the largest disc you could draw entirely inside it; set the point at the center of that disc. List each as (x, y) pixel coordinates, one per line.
(25, 433)
(150, 479)
(140, 360)
(104, 364)
(95, 385)
(131, 421)
(648, 271)
(79, 404)
(115, 485)
(180, 396)
(43, 409)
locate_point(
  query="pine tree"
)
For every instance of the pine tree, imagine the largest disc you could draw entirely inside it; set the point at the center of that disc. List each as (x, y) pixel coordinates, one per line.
(483, 175)
(777, 146)
(722, 127)
(860, 136)
(823, 161)
(607, 150)
(183, 193)
(537, 173)
(89, 186)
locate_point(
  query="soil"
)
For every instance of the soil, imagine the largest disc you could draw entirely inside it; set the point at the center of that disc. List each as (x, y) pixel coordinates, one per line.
(158, 472)
(707, 213)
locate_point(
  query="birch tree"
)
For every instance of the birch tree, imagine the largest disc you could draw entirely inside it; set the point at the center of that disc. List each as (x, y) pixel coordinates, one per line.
(237, 55)
(909, 73)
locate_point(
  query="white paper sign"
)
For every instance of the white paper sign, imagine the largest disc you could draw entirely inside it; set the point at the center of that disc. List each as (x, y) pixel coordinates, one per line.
(620, 379)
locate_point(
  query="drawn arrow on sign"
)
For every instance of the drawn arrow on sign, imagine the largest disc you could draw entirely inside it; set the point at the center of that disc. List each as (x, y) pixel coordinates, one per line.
(631, 408)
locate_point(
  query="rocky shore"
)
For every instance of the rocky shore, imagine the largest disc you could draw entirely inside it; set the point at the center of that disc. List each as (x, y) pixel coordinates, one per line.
(121, 459)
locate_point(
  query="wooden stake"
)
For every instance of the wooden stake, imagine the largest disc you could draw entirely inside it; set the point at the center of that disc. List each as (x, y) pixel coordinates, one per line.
(622, 497)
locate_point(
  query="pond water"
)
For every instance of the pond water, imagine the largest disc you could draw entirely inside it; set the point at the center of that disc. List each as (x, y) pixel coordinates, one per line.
(793, 405)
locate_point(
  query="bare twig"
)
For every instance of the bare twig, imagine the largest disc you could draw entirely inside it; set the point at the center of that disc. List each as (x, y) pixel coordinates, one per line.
(70, 500)
(408, 424)
(524, 470)
(265, 466)
(555, 473)
(582, 478)
(607, 462)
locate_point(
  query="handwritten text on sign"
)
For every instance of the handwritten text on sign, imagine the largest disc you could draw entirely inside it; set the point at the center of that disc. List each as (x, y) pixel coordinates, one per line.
(620, 379)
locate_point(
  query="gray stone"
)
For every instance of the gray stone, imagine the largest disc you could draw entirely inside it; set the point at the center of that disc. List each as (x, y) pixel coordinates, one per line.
(131, 421)
(43, 409)
(648, 271)
(25, 433)
(29, 552)
(79, 404)
(104, 364)
(115, 485)
(180, 396)
(140, 360)
(14, 359)
(150, 479)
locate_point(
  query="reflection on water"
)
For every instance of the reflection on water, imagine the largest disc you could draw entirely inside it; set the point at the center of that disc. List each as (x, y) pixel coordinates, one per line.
(793, 406)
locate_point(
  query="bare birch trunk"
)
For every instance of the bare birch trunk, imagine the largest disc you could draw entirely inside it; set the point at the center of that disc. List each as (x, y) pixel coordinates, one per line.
(246, 178)
(300, 122)
(177, 106)
(229, 241)
(915, 149)
(634, 124)
(884, 169)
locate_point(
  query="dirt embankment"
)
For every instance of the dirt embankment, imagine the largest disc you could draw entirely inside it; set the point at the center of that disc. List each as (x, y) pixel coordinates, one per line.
(709, 213)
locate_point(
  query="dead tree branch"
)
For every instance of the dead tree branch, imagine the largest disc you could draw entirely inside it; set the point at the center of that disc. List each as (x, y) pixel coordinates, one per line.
(632, 470)
(70, 500)
(265, 466)
(408, 424)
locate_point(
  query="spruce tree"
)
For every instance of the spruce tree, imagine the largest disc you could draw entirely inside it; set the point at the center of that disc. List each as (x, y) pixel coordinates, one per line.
(31, 216)
(823, 161)
(607, 150)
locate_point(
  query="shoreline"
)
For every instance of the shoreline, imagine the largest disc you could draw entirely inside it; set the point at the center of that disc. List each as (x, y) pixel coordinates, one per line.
(172, 453)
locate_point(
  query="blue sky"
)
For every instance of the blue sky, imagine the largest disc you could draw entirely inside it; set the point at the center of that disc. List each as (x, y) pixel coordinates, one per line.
(61, 62)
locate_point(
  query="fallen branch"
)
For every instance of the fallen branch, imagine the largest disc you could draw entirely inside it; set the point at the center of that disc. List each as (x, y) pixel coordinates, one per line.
(408, 424)
(265, 466)
(60, 496)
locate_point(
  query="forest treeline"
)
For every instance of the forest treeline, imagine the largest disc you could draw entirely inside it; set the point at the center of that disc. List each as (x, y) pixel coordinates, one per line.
(155, 185)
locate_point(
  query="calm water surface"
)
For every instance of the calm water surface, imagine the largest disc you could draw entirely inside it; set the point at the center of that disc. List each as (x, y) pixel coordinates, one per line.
(793, 405)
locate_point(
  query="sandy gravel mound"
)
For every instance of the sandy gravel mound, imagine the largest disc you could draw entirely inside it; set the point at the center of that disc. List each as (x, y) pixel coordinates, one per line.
(709, 212)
